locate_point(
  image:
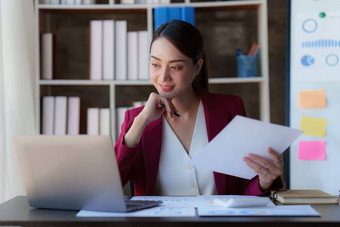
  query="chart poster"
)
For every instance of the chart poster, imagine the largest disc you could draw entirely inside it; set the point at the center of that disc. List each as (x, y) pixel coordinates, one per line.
(316, 46)
(314, 94)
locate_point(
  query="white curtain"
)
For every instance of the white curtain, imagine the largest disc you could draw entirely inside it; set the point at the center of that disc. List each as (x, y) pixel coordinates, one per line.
(17, 88)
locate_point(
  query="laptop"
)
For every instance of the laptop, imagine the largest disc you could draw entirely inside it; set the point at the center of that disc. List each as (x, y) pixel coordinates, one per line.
(73, 173)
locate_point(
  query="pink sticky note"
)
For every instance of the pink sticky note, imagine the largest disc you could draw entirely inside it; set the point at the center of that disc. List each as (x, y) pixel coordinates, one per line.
(312, 150)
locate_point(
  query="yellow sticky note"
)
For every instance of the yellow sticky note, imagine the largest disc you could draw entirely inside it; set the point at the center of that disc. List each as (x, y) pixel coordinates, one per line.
(312, 98)
(313, 126)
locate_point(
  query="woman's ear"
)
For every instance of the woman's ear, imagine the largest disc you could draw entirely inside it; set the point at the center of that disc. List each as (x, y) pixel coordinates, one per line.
(198, 66)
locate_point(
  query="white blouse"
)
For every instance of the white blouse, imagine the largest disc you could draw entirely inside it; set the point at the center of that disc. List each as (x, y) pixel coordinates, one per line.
(175, 175)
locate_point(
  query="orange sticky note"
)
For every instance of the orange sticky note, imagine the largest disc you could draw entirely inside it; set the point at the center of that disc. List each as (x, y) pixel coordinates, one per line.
(312, 150)
(312, 98)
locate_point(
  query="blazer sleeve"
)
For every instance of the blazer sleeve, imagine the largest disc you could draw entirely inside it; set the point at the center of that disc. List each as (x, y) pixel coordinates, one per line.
(252, 187)
(125, 155)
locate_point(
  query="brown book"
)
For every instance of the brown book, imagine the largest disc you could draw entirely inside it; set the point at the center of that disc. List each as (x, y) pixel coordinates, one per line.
(304, 197)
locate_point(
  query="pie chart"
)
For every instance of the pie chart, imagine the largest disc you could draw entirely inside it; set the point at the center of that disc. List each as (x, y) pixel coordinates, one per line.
(309, 25)
(307, 60)
(332, 60)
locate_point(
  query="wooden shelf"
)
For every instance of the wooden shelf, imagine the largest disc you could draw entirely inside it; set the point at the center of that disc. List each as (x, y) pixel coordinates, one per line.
(51, 18)
(144, 82)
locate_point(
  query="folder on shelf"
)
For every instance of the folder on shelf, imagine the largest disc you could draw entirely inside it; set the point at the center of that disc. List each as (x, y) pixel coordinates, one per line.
(161, 1)
(48, 115)
(132, 48)
(104, 119)
(160, 16)
(188, 14)
(54, 2)
(108, 49)
(120, 113)
(70, 2)
(167, 14)
(96, 47)
(60, 115)
(143, 55)
(89, 2)
(73, 116)
(304, 197)
(174, 13)
(121, 50)
(93, 121)
(127, 2)
(47, 56)
(136, 104)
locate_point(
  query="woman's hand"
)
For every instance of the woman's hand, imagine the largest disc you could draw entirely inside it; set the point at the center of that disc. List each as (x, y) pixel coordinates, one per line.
(156, 106)
(267, 170)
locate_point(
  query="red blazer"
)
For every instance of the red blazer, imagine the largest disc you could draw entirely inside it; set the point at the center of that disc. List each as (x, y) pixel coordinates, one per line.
(140, 163)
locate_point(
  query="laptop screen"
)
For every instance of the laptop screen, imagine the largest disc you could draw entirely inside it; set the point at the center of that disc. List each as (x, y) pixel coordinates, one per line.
(70, 172)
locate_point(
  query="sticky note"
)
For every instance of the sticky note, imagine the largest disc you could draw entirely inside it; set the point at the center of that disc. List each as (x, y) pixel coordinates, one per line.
(312, 150)
(313, 126)
(312, 98)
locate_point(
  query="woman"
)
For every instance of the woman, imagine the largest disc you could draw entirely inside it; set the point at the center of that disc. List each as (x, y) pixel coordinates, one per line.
(158, 140)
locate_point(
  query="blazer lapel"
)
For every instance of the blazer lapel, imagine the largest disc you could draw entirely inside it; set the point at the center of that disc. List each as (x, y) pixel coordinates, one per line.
(216, 118)
(153, 141)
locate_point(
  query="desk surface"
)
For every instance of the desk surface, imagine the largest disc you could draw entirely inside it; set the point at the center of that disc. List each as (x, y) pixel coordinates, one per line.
(18, 212)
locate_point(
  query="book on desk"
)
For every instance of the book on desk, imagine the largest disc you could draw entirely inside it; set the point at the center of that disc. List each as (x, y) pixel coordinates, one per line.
(304, 197)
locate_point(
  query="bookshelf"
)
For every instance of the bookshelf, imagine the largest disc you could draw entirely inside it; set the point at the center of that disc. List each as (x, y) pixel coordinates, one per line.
(70, 27)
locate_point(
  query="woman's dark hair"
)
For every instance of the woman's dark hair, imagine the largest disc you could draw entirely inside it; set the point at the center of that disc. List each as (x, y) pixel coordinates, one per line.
(188, 40)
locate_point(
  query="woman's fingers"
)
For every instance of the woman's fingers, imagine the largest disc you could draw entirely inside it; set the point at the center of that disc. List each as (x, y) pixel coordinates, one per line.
(277, 160)
(168, 106)
(259, 169)
(157, 105)
(267, 170)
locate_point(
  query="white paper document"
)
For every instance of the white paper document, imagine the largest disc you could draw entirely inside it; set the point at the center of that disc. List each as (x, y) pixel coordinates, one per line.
(194, 201)
(289, 210)
(172, 206)
(239, 138)
(159, 211)
(184, 206)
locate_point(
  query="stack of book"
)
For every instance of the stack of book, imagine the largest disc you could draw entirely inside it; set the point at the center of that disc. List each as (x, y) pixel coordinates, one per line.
(98, 121)
(117, 54)
(47, 56)
(304, 197)
(68, 2)
(167, 14)
(60, 115)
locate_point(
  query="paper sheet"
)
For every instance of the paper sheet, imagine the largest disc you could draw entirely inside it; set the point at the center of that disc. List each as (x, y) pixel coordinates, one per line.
(172, 206)
(291, 210)
(313, 126)
(159, 211)
(312, 150)
(239, 138)
(179, 206)
(190, 201)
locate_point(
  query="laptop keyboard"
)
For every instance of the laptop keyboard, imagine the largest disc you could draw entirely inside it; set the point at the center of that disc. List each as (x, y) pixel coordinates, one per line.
(133, 205)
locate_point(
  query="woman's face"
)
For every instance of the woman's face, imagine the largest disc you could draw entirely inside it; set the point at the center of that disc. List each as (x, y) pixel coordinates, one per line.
(171, 72)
